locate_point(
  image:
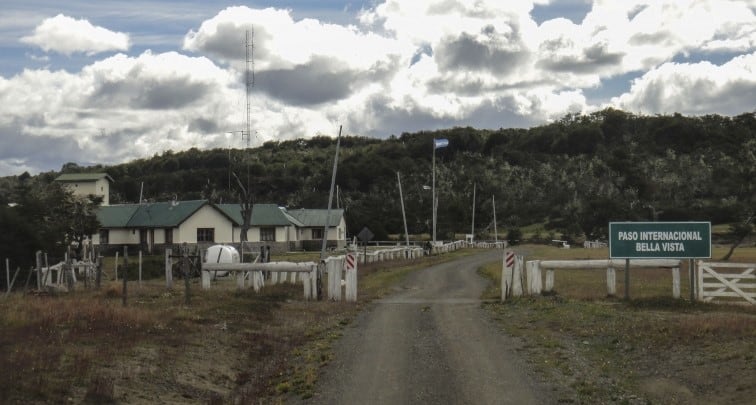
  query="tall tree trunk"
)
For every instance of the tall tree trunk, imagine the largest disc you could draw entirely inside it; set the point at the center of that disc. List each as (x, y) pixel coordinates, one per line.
(745, 230)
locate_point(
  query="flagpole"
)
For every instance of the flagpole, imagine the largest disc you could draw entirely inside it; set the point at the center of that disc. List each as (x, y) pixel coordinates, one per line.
(433, 197)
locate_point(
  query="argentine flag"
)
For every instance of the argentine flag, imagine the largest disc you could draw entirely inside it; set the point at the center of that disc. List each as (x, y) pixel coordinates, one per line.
(440, 143)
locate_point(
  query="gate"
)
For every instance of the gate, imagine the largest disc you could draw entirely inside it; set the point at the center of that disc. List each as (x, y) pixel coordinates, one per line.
(726, 282)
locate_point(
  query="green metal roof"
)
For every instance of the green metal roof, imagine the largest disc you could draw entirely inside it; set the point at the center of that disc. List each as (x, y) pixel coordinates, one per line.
(72, 177)
(262, 215)
(269, 215)
(317, 217)
(116, 216)
(168, 214)
(233, 211)
(164, 214)
(172, 214)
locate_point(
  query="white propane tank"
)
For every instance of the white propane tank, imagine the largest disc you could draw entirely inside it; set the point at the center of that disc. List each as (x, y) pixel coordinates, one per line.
(221, 254)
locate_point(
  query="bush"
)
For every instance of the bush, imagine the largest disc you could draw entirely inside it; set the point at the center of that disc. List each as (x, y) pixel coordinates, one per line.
(514, 236)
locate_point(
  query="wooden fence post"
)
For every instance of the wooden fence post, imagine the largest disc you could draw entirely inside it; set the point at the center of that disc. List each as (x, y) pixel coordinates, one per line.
(549, 287)
(611, 281)
(10, 287)
(39, 269)
(676, 282)
(98, 276)
(140, 267)
(517, 277)
(124, 296)
(7, 273)
(115, 266)
(185, 271)
(168, 269)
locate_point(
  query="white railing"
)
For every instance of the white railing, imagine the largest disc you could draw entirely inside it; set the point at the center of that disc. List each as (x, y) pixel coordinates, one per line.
(530, 281)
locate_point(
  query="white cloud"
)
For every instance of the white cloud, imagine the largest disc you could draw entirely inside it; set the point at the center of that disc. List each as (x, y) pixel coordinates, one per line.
(66, 35)
(402, 66)
(699, 88)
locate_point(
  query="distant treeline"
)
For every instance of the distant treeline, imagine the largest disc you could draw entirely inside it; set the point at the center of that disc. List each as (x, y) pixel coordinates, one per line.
(574, 175)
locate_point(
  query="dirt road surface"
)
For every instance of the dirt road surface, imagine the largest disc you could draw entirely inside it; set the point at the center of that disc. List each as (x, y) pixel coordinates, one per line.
(430, 342)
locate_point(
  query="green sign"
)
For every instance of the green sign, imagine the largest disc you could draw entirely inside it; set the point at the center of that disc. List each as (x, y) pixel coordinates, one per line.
(659, 240)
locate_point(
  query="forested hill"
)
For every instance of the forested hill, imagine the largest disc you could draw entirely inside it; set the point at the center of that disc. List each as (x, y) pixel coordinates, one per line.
(576, 174)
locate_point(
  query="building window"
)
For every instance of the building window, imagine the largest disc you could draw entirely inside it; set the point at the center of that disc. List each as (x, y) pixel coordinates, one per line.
(267, 234)
(104, 236)
(205, 235)
(317, 233)
(169, 236)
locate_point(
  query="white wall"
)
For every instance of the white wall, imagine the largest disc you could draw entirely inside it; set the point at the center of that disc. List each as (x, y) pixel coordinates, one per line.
(205, 217)
(84, 188)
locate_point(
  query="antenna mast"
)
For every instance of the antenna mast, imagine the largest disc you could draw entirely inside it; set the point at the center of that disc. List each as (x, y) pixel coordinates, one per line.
(249, 79)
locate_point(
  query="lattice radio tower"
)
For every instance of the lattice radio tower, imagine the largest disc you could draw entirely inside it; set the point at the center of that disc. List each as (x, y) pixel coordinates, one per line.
(249, 80)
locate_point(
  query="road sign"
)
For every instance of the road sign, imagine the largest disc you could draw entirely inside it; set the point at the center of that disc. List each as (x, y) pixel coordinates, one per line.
(365, 235)
(659, 240)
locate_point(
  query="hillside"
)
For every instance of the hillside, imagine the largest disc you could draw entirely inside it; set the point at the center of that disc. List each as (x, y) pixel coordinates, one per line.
(574, 175)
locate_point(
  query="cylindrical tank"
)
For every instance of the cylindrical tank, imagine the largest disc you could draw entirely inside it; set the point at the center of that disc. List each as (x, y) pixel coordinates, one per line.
(221, 254)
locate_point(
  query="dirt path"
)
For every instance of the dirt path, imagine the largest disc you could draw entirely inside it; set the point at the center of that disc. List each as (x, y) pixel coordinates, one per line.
(430, 342)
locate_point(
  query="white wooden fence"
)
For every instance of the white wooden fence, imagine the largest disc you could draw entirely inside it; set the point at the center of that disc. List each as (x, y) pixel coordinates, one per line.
(530, 281)
(307, 272)
(723, 281)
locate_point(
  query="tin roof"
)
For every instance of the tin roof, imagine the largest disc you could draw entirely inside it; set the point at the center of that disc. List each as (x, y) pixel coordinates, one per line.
(75, 177)
(317, 217)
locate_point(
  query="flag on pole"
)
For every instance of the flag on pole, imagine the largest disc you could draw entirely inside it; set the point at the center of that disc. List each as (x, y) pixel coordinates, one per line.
(440, 143)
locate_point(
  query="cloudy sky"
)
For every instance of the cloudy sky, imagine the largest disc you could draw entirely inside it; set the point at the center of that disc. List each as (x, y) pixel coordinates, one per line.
(109, 81)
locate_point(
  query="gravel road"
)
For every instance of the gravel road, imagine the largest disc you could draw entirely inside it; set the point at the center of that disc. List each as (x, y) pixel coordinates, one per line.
(430, 342)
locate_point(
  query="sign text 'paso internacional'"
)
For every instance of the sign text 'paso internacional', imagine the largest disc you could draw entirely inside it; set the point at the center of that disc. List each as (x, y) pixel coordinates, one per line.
(659, 240)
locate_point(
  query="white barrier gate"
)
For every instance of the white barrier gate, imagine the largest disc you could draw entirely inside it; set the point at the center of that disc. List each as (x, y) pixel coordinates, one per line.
(713, 283)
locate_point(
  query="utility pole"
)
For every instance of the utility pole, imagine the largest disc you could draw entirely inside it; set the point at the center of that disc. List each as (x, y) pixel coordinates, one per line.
(330, 195)
(404, 216)
(473, 213)
(496, 233)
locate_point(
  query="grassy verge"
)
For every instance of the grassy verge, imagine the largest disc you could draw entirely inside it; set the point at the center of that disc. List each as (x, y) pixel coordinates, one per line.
(226, 346)
(651, 349)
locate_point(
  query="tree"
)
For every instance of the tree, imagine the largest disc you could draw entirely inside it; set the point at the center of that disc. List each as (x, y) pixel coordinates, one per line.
(56, 216)
(245, 204)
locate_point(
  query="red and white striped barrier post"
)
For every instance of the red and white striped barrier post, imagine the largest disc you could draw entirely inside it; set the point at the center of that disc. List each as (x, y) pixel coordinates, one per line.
(350, 263)
(507, 271)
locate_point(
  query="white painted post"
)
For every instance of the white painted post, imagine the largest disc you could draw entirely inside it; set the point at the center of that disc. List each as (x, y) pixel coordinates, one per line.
(306, 286)
(168, 269)
(333, 267)
(549, 280)
(205, 280)
(314, 282)
(538, 282)
(240, 276)
(273, 277)
(517, 277)
(676, 282)
(611, 282)
(534, 277)
(258, 281)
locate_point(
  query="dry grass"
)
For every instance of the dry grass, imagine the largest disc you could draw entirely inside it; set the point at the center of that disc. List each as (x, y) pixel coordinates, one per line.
(227, 346)
(653, 348)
